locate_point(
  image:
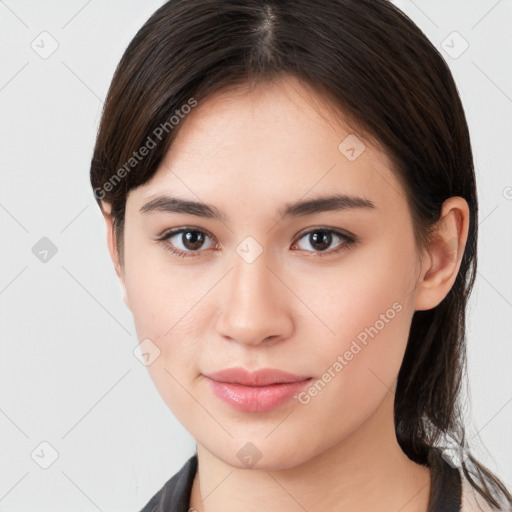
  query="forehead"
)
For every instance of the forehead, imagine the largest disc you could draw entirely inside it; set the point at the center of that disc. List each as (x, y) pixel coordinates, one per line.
(276, 139)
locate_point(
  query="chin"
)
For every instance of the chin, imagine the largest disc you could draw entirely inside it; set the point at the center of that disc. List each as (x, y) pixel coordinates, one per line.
(263, 455)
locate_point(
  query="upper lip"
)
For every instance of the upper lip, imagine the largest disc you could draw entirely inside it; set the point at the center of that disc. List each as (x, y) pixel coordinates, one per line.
(261, 377)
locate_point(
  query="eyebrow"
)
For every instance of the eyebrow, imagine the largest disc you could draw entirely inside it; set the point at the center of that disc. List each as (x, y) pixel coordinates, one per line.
(336, 202)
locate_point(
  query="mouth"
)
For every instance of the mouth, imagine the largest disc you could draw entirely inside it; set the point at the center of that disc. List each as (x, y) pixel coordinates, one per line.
(259, 391)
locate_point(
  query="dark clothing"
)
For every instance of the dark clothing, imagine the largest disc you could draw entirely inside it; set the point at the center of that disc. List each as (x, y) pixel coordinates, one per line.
(445, 492)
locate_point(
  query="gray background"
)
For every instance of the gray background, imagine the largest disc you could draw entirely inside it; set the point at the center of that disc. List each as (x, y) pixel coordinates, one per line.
(68, 374)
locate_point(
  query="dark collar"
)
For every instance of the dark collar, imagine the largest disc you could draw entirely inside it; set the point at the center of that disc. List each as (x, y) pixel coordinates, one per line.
(445, 491)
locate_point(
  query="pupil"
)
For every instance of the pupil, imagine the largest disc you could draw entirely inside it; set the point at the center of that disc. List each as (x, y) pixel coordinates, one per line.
(193, 239)
(324, 240)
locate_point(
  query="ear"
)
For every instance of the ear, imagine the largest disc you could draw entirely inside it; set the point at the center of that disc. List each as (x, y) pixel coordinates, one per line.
(441, 261)
(106, 209)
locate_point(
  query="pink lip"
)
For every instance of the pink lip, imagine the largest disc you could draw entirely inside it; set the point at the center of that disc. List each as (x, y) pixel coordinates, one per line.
(259, 391)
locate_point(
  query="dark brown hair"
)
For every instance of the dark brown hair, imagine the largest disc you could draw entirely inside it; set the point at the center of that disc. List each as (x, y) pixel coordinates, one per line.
(383, 74)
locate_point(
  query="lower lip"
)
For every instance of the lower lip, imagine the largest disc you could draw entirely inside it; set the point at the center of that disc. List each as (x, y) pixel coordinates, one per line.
(256, 398)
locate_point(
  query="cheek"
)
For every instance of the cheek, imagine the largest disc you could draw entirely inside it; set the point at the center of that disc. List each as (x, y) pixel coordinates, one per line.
(168, 307)
(160, 293)
(363, 293)
(365, 309)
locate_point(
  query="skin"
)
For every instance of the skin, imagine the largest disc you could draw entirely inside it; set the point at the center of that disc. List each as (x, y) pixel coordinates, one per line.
(295, 308)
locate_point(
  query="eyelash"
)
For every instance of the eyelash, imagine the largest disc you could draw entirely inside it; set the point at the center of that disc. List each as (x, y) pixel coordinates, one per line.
(348, 242)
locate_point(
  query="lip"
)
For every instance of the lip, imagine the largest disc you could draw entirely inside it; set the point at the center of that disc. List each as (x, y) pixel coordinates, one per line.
(258, 391)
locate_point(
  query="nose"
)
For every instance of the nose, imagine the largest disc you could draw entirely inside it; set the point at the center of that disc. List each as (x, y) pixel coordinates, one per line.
(257, 306)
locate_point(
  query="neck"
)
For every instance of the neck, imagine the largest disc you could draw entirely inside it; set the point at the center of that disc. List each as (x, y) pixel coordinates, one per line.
(365, 471)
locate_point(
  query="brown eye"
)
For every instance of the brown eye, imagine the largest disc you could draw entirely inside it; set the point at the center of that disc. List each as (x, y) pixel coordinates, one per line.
(319, 240)
(185, 241)
(192, 240)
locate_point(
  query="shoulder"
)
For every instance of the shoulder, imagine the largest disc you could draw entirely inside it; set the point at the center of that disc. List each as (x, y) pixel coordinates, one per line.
(175, 493)
(472, 501)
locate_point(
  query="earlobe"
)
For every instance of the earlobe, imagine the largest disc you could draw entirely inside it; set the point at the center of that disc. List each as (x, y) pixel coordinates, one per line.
(112, 248)
(444, 254)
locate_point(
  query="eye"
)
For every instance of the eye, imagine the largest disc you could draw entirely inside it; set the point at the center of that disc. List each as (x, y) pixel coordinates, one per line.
(320, 239)
(188, 240)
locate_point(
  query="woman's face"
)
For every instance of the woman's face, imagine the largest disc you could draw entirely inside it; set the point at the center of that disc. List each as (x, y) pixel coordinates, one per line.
(261, 289)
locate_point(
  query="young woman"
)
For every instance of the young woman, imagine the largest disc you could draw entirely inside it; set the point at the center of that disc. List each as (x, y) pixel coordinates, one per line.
(290, 202)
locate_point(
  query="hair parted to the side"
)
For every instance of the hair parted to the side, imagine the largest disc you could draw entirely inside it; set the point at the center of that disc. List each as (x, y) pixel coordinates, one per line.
(383, 75)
